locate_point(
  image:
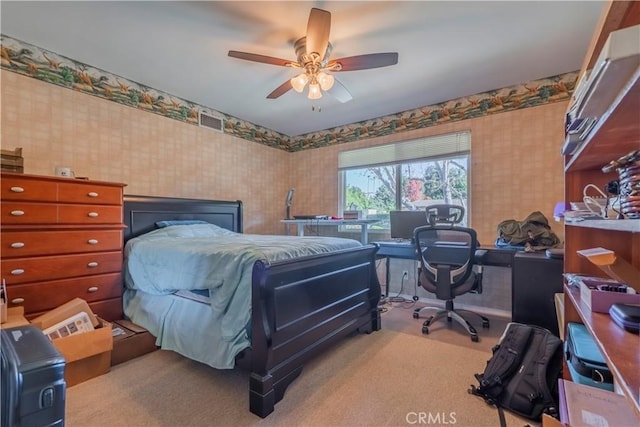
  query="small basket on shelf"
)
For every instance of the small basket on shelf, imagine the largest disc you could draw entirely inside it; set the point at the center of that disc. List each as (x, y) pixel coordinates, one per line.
(12, 160)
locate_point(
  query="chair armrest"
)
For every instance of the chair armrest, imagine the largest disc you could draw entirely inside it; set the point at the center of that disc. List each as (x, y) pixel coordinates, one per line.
(479, 255)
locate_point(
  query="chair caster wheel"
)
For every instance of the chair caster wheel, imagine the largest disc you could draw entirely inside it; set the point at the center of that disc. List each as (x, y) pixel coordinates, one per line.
(485, 324)
(416, 315)
(474, 338)
(425, 330)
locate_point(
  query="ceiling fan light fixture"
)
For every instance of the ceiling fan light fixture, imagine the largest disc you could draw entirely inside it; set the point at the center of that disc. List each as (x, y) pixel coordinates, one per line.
(314, 90)
(325, 80)
(299, 82)
(314, 63)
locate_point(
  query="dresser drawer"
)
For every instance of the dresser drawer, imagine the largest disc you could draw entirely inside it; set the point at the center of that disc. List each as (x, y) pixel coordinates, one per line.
(89, 194)
(49, 189)
(23, 189)
(28, 213)
(18, 244)
(44, 296)
(89, 214)
(36, 269)
(16, 213)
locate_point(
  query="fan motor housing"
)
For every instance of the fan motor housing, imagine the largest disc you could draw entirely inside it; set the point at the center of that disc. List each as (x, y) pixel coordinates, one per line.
(304, 58)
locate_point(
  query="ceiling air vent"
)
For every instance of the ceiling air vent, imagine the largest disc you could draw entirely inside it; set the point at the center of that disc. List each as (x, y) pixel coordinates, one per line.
(211, 122)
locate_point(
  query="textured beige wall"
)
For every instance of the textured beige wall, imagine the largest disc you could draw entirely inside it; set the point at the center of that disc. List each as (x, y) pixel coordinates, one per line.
(151, 154)
(516, 165)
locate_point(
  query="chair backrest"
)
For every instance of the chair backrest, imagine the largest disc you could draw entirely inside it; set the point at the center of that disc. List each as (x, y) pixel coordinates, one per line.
(444, 214)
(447, 253)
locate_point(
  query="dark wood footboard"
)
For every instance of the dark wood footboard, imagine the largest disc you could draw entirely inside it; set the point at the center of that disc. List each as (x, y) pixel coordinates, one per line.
(300, 307)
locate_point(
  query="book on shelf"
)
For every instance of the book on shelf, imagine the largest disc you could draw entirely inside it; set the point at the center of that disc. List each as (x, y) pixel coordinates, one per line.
(583, 405)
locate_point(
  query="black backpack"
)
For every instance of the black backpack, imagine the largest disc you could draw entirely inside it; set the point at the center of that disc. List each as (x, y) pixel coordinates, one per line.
(522, 374)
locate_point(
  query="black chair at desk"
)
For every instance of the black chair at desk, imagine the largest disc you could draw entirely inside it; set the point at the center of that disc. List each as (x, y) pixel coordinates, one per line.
(450, 264)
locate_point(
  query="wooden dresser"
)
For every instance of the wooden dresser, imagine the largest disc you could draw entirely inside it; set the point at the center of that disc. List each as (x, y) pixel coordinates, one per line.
(61, 239)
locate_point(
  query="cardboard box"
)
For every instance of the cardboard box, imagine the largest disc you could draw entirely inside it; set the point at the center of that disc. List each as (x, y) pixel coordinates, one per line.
(549, 421)
(134, 341)
(87, 354)
(600, 301)
(15, 317)
(352, 215)
(64, 312)
(3, 311)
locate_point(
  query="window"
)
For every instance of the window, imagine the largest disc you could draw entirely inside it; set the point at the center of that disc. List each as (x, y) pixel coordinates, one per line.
(405, 176)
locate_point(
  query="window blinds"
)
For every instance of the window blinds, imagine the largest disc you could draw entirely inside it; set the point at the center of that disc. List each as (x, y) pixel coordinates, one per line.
(433, 146)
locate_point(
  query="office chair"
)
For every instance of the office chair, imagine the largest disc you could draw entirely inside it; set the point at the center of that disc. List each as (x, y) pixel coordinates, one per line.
(450, 264)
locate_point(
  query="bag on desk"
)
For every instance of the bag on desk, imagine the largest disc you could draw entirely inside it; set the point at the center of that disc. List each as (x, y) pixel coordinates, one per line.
(534, 233)
(522, 374)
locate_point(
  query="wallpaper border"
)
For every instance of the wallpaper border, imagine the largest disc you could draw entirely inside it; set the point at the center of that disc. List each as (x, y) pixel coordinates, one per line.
(29, 60)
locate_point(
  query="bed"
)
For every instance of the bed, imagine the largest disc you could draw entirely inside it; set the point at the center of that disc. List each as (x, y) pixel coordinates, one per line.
(295, 308)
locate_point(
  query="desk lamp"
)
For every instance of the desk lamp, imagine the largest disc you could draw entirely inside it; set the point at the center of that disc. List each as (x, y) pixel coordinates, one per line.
(288, 202)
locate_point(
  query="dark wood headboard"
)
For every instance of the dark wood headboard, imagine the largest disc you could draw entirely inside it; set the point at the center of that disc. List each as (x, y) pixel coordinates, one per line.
(142, 212)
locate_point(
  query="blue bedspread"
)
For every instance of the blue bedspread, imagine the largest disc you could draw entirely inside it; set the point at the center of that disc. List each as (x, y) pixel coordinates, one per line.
(204, 256)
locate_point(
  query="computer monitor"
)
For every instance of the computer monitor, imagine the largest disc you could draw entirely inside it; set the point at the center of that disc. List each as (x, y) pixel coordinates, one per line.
(404, 222)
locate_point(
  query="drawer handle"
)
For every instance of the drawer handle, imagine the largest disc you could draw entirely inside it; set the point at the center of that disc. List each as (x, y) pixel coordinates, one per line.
(92, 194)
(17, 300)
(93, 214)
(17, 271)
(92, 241)
(17, 189)
(93, 289)
(17, 213)
(17, 245)
(92, 264)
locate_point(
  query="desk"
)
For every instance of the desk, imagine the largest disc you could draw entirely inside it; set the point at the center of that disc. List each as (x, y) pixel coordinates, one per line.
(404, 249)
(363, 223)
(534, 279)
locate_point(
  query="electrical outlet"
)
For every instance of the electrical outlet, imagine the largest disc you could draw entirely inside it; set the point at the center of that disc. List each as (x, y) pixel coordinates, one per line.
(405, 273)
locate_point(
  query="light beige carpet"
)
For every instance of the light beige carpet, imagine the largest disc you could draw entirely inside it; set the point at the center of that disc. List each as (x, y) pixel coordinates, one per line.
(387, 378)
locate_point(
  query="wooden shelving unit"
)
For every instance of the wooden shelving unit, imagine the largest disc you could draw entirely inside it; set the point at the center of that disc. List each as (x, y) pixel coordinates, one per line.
(619, 347)
(616, 134)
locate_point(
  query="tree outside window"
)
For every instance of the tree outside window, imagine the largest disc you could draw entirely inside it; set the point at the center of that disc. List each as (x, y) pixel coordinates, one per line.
(412, 185)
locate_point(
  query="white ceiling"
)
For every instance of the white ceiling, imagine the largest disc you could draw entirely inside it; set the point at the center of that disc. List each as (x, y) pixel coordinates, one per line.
(447, 49)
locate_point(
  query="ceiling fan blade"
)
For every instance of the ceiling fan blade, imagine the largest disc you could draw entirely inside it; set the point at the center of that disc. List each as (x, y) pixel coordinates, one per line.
(259, 58)
(318, 28)
(365, 62)
(280, 90)
(340, 92)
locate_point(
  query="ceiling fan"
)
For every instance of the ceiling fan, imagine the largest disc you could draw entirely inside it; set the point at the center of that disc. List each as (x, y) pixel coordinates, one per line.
(313, 60)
